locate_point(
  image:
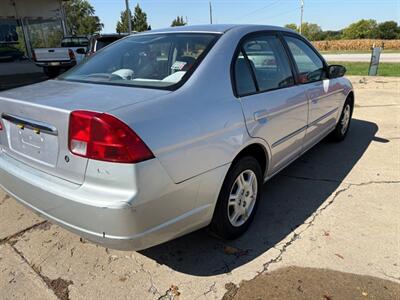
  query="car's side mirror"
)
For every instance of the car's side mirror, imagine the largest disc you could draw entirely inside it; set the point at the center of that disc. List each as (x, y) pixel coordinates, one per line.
(81, 51)
(335, 71)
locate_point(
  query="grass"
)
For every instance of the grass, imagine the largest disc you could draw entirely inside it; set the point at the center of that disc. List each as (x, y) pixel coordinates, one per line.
(357, 51)
(361, 68)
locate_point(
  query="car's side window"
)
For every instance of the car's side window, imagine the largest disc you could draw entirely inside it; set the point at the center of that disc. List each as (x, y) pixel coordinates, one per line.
(262, 58)
(243, 78)
(310, 66)
(269, 62)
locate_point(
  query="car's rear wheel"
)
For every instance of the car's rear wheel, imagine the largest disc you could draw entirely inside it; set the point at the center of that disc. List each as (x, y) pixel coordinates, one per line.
(342, 127)
(238, 199)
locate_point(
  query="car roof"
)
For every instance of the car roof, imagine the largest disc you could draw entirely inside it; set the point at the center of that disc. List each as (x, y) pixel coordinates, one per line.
(215, 28)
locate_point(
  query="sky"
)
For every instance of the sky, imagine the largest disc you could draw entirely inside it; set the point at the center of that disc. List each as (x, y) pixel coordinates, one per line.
(329, 14)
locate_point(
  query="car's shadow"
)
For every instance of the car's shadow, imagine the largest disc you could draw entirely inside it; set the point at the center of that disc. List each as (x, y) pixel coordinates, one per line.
(289, 199)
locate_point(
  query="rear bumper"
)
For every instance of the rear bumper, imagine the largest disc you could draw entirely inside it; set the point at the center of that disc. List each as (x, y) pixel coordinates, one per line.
(56, 64)
(114, 216)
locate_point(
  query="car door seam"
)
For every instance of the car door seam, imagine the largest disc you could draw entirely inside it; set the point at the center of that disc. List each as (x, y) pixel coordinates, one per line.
(322, 117)
(289, 136)
(328, 95)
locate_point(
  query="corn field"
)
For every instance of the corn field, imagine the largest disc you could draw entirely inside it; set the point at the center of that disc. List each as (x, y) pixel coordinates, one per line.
(340, 45)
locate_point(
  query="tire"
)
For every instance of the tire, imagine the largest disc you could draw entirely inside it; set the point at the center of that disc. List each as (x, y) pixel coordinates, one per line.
(223, 223)
(51, 72)
(342, 127)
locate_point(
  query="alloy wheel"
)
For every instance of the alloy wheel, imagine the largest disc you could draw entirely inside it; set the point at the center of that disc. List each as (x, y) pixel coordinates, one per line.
(242, 198)
(345, 119)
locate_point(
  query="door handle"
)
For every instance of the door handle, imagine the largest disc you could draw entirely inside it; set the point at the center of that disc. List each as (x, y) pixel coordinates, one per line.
(261, 114)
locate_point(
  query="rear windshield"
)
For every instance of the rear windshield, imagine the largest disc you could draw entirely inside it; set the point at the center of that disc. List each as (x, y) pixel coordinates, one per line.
(74, 42)
(150, 60)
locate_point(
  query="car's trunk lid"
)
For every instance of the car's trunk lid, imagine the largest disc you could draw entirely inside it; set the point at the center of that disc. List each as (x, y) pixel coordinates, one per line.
(36, 121)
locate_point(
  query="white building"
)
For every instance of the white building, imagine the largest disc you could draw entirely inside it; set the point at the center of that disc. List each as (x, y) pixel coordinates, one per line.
(28, 24)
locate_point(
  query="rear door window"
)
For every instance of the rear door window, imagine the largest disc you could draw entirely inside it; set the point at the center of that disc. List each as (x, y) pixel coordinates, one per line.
(269, 61)
(262, 65)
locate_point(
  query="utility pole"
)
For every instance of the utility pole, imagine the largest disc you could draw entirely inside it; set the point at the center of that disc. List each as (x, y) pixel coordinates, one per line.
(211, 18)
(128, 11)
(301, 15)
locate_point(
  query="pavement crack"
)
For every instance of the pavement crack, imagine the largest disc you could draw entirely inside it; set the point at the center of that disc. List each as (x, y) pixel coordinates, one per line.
(211, 289)
(376, 182)
(171, 293)
(281, 251)
(46, 280)
(340, 181)
(153, 288)
(310, 222)
(21, 232)
(296, 235)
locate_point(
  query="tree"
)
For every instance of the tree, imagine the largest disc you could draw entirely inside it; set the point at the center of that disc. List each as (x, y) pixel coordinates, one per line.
(139, 21)
(363, 29)
(122, 25)
(81, 19)
(292, 26)
(178, 22)
(332, 35)
(311, 31)
(388, 30)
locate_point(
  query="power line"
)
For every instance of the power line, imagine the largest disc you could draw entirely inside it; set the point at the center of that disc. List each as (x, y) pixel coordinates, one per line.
(257, 10)
(279, 15)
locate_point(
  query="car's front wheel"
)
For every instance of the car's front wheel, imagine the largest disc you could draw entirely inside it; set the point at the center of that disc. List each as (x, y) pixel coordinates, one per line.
(238, 199)
(342, 127)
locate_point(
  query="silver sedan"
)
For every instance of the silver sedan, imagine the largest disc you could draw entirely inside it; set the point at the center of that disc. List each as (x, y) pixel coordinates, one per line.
(168, 131)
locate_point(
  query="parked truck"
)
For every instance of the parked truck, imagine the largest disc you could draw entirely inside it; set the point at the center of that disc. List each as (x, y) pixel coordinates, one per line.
(53, 60)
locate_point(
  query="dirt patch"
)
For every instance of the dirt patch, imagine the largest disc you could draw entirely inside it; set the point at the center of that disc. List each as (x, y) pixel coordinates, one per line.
(59, 287)
(44, 226)
(13, 239)
(308, 283)
(2, 201)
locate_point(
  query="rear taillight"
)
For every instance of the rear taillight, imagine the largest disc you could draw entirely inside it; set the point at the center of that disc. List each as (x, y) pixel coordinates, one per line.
(1, 126)
(103, 137)
(71, 54)
(33, 55)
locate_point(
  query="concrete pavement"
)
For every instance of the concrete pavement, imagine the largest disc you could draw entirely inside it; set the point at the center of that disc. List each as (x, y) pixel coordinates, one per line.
(337, 207)
(19, 67)
(19, 73)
